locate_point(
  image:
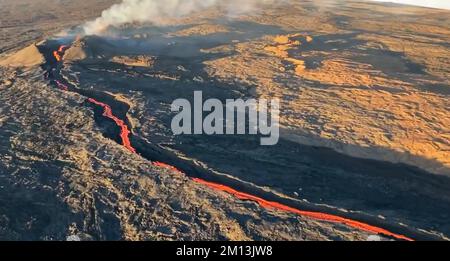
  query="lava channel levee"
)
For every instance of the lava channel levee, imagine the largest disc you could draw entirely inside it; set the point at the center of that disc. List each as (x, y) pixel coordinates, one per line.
(125, 134)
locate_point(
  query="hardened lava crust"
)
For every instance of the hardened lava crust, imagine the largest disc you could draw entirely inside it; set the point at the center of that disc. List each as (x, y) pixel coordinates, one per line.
(87, 151)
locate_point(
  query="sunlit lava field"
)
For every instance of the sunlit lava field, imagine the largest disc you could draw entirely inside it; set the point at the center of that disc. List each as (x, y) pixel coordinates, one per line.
(87, 151)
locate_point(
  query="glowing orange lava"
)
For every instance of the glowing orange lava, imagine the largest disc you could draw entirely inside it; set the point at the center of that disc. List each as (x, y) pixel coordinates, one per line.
(58, 54)
(315, 215)
(278, 206)
(167, 166)
(125, 132)
(62, 48)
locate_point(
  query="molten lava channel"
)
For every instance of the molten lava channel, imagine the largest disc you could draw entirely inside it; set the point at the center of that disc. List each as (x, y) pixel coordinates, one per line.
(314, 215)
(59, 53)
(125, 137)
(124, 131)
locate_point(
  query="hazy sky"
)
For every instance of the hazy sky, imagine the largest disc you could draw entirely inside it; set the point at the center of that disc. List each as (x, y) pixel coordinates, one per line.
(445, 4)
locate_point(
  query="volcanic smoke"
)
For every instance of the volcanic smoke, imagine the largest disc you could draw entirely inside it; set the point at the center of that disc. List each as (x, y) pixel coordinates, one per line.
(152, 11)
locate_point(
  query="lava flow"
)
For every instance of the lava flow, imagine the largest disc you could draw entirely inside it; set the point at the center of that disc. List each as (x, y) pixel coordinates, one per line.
(124, 131)
(281, 207)
(61, 86)
(314, 215)
(125, 137)
(166, 166)
(59, 53)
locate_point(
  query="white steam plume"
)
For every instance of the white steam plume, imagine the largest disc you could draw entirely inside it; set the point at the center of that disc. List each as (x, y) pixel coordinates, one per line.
(130, 11)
